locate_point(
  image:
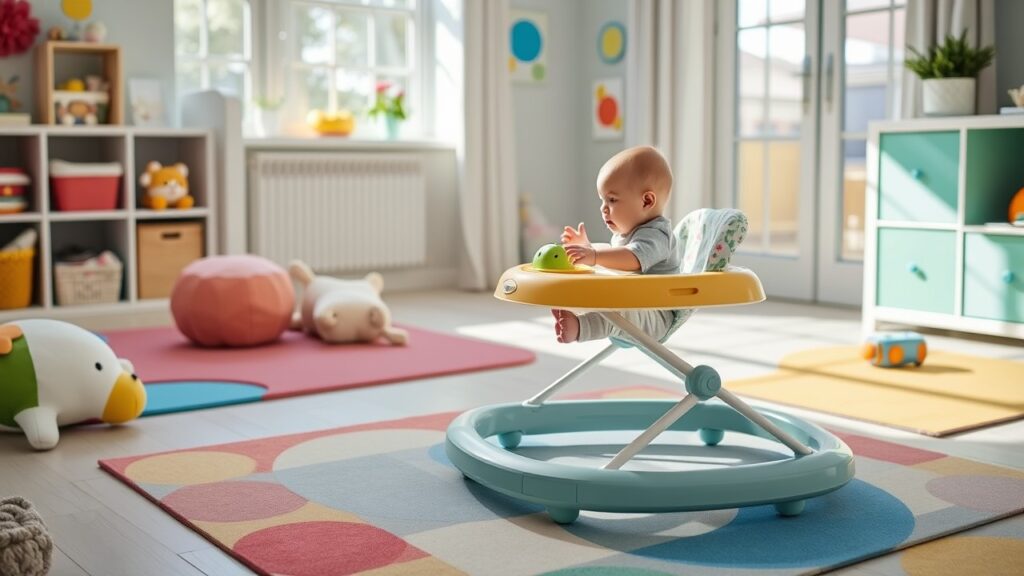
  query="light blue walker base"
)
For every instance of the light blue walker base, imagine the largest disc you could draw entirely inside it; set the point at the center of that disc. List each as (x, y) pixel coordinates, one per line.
(821, 462)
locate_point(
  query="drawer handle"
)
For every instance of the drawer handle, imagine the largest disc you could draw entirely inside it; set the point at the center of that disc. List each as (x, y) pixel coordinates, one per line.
(170, 235)
(913, 268)
(916, 174)
(1009, 276)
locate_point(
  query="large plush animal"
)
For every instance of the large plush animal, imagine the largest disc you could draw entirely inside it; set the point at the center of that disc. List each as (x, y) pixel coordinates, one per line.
(341, 311)
(166, 186)
(53, 373)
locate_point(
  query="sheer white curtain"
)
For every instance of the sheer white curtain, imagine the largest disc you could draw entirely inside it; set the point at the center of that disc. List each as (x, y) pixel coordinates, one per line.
(928, 22)
(488, 195)
(670, 93)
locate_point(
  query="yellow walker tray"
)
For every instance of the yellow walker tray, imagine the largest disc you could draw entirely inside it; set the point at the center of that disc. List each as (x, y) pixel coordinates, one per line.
(821, 462)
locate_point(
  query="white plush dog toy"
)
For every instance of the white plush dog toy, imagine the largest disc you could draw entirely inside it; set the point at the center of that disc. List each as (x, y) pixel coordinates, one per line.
(341, 311)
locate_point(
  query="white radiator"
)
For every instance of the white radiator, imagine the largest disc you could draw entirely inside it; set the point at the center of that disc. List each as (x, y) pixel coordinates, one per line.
(338, 211)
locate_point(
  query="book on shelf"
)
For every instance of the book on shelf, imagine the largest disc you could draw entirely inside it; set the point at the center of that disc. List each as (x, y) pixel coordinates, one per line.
(15, 119)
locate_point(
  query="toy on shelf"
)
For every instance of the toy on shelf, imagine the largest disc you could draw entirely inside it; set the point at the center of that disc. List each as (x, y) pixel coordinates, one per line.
(78, 102)
(16, 261)
(1017, 208)
(76, 99)
(85, 185)
(342, 311)
(340, 123)
(95, 32)
(166, 186)
(12, 190)
(56, 374)
(483, 443)
(895, 349)
(9, 104)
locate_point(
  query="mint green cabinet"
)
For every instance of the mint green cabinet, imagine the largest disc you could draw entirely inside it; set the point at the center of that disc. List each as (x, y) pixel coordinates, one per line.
(994, 277)
(918, 176)
(916, 269)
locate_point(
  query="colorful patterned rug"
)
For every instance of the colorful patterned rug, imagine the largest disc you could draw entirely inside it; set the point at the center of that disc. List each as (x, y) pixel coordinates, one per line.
(949, 393)
(383, 496)
(180, 376)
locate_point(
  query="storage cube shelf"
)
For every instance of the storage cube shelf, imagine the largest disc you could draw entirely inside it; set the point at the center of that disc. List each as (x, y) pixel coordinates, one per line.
(31, 148)
(940, 251)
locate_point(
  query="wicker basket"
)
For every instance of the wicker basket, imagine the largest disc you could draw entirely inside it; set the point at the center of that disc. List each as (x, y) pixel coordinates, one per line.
(16, 278)
(80, 284)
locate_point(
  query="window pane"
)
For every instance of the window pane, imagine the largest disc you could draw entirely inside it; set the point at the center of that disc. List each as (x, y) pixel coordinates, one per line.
(898, 49)
(188, 15)
(752, 12)
(394, 3)
(313, 34)
(352, 42)
(230, 79)
(750, 189)
(310, 89)
(189, 77)
(785, 83)
(784, 186)
(354, 90)
(867, 69)
(785, 10)
(227, 20)
(854, 182)
(852, 5)
(392, 34)
(751, 46)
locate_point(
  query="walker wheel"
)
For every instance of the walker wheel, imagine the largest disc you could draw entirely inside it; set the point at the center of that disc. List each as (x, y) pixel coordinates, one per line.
(791, 508)
(563, 515)
(510, 440)
(711, 436)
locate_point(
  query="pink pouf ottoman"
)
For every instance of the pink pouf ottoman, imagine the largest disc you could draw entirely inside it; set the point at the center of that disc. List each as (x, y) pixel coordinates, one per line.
(232, 301)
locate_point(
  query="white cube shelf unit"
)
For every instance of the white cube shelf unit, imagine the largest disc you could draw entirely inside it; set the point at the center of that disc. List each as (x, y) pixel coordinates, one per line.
(940, 251)
(31, 148)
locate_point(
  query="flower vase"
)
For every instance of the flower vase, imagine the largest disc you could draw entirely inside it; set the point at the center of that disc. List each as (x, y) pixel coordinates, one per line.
(392, 124)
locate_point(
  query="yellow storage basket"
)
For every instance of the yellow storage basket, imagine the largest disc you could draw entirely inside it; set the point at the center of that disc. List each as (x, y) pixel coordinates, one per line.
(16, 278)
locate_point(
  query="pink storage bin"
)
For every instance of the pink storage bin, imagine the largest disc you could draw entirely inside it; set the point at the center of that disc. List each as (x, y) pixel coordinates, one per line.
(85, 186)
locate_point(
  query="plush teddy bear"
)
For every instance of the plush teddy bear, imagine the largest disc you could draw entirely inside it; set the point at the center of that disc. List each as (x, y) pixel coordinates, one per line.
(340, 311)
(166, 186)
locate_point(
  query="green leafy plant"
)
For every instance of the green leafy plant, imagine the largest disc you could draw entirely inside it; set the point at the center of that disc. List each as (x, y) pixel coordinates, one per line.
(389, 101)
(268, 103)
(954, 58)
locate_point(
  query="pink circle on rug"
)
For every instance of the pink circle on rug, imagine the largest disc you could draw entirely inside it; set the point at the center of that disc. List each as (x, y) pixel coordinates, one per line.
(986, 493)
(233, 501)
(237, 300)
(317, 548)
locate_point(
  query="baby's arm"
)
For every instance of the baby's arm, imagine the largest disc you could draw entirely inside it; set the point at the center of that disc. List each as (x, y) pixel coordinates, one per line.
(614, 257)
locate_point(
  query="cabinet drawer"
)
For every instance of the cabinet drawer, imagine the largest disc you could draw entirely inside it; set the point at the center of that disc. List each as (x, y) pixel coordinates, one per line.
(916, 269)
(164, 249)
(994, 277)
(918, 176)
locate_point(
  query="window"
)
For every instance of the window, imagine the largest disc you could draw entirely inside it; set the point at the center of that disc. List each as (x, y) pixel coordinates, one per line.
(213, 46)
(339, 50)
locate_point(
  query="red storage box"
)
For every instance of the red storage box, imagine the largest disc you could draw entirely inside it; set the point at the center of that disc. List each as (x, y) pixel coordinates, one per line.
(12, 190)
(85, 186)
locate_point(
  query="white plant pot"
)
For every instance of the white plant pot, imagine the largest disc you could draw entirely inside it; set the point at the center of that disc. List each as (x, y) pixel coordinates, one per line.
(949, 97)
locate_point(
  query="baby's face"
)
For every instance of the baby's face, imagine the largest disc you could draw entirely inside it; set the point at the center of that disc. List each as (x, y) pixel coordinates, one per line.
(623, 208)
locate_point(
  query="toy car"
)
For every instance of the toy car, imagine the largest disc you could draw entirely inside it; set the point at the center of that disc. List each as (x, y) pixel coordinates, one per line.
(895, 349)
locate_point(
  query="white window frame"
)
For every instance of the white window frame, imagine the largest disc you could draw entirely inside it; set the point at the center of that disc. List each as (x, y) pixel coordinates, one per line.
(204, 60)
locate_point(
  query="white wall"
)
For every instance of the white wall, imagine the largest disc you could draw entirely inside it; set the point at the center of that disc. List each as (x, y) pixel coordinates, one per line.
(143, 28)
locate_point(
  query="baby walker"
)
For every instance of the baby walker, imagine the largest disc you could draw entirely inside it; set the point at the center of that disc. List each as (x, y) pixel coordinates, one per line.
(821, 462)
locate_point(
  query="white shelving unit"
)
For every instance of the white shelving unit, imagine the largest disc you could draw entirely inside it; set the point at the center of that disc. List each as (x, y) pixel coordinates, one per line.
(940, 252)
(32, 147)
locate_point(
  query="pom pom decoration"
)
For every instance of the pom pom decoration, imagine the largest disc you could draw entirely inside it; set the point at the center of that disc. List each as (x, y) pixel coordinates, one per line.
(18, 29)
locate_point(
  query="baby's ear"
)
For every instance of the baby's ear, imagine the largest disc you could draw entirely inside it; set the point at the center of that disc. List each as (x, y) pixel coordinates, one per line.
(650, 199)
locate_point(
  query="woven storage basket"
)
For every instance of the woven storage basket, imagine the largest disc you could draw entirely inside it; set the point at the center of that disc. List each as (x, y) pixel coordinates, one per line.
(16, 278)
(78, 284)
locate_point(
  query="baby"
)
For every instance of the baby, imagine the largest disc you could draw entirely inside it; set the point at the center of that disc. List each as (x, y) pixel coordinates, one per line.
(634, 187)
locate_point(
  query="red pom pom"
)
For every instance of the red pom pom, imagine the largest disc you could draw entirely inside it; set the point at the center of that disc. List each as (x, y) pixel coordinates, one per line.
(18, 29)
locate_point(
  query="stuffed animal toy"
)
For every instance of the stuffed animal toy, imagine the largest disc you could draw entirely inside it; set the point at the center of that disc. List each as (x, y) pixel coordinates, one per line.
(166, 186)
(340, 311)
(55, 373)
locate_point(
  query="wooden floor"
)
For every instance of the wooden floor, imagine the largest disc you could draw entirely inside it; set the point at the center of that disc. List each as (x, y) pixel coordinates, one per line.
(103, 528)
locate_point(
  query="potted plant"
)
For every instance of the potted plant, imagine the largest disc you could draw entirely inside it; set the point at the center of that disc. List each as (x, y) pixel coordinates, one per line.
(266, 118)
(948, 72)
(389, 103)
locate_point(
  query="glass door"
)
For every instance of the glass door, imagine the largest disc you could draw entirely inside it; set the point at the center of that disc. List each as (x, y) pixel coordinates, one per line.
(863, 45)
(767, 129)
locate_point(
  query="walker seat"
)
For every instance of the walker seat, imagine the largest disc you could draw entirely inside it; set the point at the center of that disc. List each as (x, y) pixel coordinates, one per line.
(821, 462)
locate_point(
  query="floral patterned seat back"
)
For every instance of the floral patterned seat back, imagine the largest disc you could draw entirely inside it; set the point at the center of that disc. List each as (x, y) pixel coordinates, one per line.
(708, 238)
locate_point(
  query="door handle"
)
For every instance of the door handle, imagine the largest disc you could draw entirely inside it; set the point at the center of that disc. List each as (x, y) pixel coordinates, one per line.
(829, 74)
(805, 73)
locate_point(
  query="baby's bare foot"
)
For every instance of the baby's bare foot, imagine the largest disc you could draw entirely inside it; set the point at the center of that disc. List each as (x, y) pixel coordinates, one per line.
(567, 326)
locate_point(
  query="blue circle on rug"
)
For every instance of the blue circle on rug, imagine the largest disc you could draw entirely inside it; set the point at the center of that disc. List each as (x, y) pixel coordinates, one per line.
(167, 397)
(852, 522)
(526, 40)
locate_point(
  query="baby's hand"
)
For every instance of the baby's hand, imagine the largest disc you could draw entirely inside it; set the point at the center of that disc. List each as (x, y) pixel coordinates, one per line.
(579, 254)
(575, 236)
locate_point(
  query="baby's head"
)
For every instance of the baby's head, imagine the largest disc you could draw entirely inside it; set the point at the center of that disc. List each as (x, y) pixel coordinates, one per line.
(634, 186)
